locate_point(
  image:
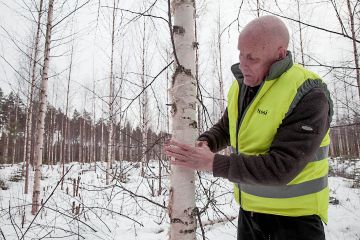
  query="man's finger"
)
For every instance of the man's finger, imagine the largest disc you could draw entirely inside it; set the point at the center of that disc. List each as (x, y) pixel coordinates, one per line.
(177, 155)
(180, 163)
(182, 145)
(201, 143)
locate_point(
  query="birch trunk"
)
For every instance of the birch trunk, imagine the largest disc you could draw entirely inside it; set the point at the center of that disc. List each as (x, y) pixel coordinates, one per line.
(80, 142)
(50, 133)
(300, 34)
(355, 50)
(6, 150)
(15, 130)
(66, 149)
(111, 101)
(182, 210)
(102, 140)
(41, 117)
(29, 112)
(220, 73)
(93, 134)
(144, 105)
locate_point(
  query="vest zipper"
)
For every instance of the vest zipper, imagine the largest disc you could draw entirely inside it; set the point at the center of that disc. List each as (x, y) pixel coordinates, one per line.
(239, 120)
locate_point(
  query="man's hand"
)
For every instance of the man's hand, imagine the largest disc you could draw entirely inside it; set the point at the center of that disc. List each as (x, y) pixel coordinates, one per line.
(197, 158)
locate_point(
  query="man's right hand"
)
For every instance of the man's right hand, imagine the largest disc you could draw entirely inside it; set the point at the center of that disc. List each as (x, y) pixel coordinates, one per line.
(201, 144)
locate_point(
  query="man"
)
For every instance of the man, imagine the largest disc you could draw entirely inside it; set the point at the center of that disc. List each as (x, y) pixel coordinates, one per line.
(277, 123)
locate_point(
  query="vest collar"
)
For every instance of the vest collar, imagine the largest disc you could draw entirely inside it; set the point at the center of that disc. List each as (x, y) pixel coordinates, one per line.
(276, 70)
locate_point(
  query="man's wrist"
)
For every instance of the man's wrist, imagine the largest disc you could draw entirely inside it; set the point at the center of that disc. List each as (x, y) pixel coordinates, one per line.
(221, 165)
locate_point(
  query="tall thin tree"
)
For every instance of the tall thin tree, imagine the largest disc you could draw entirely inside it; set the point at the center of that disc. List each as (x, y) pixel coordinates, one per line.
(355, 49)
(41, 117)
(29, 113)
(182, 210)
(144, 102)
(111, 100)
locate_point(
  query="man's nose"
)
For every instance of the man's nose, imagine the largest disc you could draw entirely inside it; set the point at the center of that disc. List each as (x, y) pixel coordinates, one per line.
(243, 65)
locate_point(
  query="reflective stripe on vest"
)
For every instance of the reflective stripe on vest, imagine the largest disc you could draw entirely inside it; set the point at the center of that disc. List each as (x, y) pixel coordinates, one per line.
(320, 154)
(287, 191)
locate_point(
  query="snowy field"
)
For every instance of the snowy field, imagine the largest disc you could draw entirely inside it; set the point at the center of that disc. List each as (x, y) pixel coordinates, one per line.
(132, 207)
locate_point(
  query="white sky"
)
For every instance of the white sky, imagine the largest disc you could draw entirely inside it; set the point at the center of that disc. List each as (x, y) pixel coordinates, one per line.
(92, 46)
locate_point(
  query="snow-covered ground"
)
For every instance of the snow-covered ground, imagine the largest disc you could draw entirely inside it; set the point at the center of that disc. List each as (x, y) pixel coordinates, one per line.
(130, 208)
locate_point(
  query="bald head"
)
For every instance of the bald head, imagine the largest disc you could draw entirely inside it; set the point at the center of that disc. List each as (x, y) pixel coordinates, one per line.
(267, 30)
(262, 42)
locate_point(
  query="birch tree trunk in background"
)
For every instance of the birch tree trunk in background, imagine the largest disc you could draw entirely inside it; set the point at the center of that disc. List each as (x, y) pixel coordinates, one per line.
(93, 128)
(15, 129)
(29, 112)
(355, 50)
(144, 104)
(300, 34)
(219, 62)
(111, 101)
(42, 111)
(66, 143)
(80, 141)
(182, 210)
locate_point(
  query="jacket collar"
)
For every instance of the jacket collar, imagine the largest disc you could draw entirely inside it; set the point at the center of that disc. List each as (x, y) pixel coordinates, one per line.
(276, 70)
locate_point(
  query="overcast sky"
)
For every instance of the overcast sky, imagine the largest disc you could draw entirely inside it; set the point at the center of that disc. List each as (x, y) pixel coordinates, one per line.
(93, 37)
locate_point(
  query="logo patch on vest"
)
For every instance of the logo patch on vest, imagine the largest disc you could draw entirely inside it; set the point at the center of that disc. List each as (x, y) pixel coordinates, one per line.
(263, 112)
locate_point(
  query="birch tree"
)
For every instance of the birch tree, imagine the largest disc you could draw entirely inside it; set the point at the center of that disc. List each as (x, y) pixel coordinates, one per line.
(41, 117)
(218, 61)
(144, 102)
(66, 147)
(352, 10)
(111, 96)
(300, 33)
(182, 210)
(29, 112)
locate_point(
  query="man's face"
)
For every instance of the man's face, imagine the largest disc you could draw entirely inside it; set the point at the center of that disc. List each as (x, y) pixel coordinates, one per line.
(255, 59)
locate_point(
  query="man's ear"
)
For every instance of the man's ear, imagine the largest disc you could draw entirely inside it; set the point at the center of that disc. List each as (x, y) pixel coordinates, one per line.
(281, 53)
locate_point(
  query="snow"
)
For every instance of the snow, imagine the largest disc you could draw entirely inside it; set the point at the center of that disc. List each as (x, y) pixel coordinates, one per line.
(122, 210)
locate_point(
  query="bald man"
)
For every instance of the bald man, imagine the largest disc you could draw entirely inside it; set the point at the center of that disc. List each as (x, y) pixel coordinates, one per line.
(277, 123)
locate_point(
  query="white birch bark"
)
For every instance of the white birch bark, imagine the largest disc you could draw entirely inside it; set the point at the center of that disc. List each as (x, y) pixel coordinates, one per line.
(66, 149)
(6, 150)
(300, 34)
(29, 112)
(93, 128)
(220, 73)
(41, 117)
(182, 210)
(102, 140)
(144, 104)
(15, 130)
(111, 101)
(355, 50)
(80, 141)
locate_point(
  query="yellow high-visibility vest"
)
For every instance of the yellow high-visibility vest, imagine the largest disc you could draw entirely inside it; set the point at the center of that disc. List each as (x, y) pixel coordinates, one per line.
(308, 192)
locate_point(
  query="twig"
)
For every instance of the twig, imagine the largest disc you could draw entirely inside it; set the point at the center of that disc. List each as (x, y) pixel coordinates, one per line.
(200, 223)
(12, 223)
(139, 196)
(313, 26)
(172, 34)
(42, 206)
(2, 234)
(147, 86)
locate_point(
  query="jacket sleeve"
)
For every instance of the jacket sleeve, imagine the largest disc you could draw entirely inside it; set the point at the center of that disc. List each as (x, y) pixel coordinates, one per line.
(293, 146)
(217, 136)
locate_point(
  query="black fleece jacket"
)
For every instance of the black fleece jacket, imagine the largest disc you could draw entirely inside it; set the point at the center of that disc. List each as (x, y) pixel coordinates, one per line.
(291, 149)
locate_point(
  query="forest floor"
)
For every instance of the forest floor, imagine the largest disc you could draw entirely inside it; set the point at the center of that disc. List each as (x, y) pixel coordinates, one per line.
(132, 207)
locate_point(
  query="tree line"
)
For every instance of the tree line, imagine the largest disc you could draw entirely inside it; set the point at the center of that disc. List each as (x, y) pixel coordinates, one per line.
(86, 140)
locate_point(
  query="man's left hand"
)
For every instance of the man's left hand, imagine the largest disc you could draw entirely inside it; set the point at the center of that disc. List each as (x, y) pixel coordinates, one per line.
(197, 158)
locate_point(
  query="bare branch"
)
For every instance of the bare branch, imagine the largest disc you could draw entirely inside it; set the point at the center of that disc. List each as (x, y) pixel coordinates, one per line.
(313, 26)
